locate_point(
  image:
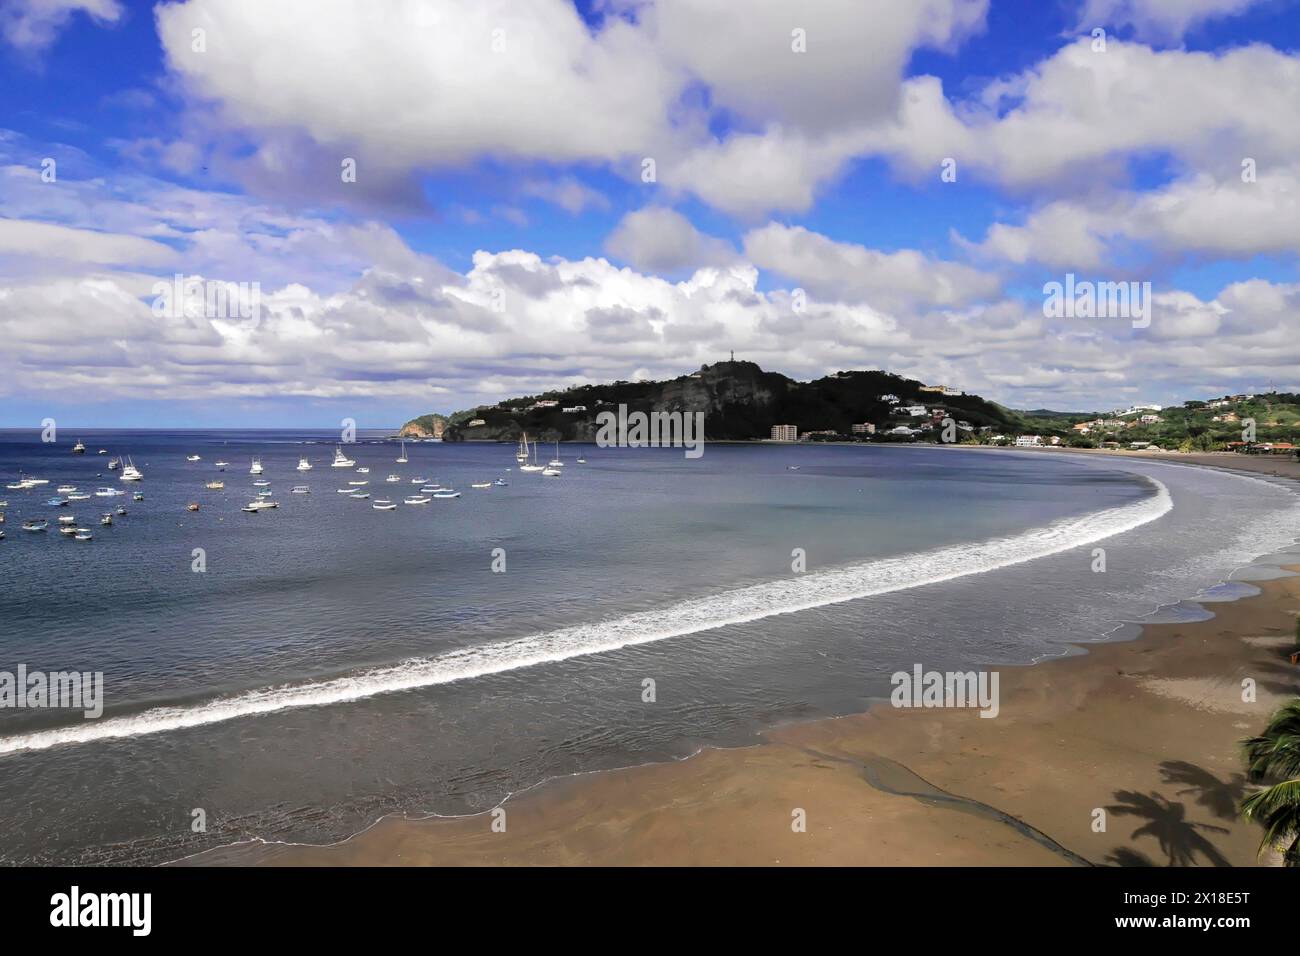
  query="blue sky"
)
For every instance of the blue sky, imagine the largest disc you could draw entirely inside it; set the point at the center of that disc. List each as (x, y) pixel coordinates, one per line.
(500, 238)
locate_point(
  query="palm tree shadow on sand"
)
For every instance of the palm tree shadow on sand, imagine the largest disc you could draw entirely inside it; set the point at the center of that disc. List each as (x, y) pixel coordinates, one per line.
(1179, 838)
(1220, 797)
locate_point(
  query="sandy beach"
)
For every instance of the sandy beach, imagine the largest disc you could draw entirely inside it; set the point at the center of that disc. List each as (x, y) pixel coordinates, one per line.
(1125, 755)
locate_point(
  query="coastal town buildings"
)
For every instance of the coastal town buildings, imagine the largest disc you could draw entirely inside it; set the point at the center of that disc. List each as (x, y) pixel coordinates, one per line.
(785, 433)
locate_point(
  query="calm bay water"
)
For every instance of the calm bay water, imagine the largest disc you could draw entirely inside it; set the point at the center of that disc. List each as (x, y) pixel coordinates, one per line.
(334, 663)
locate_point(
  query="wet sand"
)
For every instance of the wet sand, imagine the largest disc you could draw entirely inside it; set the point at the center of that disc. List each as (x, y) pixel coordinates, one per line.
(1126, 755)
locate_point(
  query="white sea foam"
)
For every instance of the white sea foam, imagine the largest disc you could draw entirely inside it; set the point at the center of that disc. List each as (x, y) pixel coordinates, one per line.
(736, 606)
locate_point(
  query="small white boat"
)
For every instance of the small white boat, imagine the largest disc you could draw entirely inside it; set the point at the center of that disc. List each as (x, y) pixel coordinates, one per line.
(360, 495)
(304, 464)
(419, 481)
(121, 510)
(261, 483)
(114, 464)
(192, 458)
(138, 496)
(264, 494)
(347, 491)
(67, 519)
(83, 534)
(383, 504)
(102, 451)
(430, 489)
(130, 472)
(215, 485)
(359, 483)
(106, 518)
(78, 448)
(256, 467)
(581, 460)
(501, 483)
(521, 455)
(401, 459)
(393, 478)
(480, 484)
(417, 499)
(301, 490)
(446, 493)
(550, 472)
(67, 489)
(108, 492)
(341, 460)
(555, 462)
(363, 471)
(221, 465)
(259, 505)
(68, 529)
(78, 496)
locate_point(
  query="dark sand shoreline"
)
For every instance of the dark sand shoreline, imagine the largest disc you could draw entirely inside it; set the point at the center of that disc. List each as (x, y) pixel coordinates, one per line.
(1146, 731)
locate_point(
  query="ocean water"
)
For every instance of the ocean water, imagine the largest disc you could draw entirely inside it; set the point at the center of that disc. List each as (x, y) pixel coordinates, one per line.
(334, 663)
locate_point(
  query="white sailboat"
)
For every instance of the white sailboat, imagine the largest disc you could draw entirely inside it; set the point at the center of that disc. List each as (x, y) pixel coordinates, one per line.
(521, 455)
(555, 462)
(341, 460)
(401, 460)
(524, 466)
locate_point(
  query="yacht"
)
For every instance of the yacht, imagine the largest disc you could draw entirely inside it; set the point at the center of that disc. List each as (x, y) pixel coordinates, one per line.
(582, 460)
(114, 464)
(67, 489)
(521, 455)
(301, 490)
(304, 464)
(215, 485)
(417, 499)
(401, 459)
(391, 478)
(551, 472)
(555, 462)
(108, 492)
(130, 472)
(341, 460)
(501, 483)
(363, 471)
(35, 524)
(192, 458)
(256, 468)
(259, 505)
(78, 448)
(68, 519)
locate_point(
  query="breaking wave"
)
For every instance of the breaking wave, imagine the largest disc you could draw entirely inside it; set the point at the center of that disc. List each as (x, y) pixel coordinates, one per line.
(734, 606)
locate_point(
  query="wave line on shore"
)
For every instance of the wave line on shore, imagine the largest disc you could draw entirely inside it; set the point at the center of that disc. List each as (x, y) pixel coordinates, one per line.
(735, 606)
